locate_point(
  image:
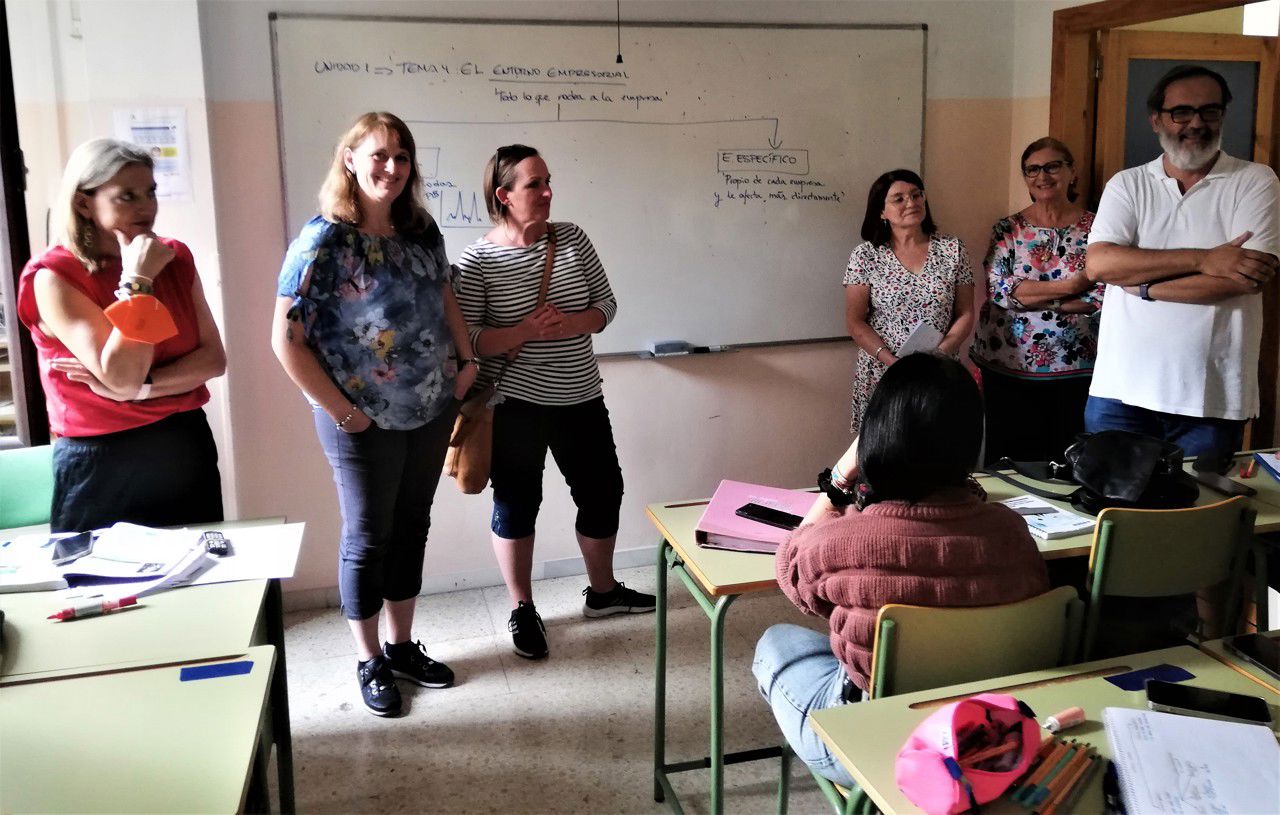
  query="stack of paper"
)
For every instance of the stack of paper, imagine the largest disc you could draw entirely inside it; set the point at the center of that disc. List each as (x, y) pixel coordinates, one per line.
(1047, 521)
(1181, 764)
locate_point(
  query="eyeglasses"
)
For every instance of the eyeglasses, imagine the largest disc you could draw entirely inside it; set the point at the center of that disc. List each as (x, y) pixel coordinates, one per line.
(1182, 114)
(901, 199)
(1050, 167)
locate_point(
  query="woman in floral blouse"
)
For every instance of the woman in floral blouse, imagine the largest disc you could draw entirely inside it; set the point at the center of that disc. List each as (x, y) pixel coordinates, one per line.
(367, 327)
(1038, 331)
(905, 274)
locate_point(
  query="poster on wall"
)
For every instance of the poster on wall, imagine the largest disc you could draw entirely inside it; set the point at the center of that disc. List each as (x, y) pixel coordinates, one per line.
(163, 132)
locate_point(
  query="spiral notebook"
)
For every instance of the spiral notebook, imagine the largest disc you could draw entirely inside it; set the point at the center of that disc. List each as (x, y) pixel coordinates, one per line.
(1169, 763)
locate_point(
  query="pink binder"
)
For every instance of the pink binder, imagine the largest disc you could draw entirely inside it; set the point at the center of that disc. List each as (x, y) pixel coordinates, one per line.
(720, 528)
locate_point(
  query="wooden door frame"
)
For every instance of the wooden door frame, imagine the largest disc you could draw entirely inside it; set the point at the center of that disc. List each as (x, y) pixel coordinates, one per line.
(1073, 83)
(1073, 93)
(1119, 46)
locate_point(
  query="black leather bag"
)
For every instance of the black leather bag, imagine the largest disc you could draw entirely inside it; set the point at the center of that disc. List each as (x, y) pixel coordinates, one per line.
(1112, 468)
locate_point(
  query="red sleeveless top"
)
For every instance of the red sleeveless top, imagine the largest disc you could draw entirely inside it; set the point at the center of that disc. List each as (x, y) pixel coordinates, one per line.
(74, 410)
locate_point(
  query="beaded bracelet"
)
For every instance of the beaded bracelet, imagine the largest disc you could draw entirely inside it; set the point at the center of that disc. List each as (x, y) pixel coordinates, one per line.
(350, 415)
(130, 286)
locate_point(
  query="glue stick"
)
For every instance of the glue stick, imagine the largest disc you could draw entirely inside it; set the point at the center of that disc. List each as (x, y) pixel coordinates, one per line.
(1064, 720)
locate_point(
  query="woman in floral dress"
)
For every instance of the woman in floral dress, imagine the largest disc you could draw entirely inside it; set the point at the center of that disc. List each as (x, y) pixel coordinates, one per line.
(904, 275)
(367, 327)
(1038, 330)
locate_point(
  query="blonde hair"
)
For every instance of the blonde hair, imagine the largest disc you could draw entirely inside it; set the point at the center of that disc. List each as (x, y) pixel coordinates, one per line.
(339, 198)
(91, 165)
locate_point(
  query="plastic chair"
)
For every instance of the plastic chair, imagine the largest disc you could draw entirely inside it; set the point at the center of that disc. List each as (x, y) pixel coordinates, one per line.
(26, 486)
(1166, 552)
(922, 647)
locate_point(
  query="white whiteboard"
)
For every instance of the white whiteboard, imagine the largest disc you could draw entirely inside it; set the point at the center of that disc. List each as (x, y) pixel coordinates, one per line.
(721, 170)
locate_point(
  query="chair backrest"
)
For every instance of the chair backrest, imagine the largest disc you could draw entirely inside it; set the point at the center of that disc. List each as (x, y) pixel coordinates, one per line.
(1163, 552)
(922, 647)
(26, 486)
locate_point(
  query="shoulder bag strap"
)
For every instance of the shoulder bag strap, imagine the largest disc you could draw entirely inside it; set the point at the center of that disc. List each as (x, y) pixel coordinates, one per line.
(1022, 485)
(542, 298)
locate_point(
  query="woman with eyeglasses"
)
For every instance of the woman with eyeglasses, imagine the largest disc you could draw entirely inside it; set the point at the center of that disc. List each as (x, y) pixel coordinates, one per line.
(367, 326)
(1038, 330)
(905, 274)
(126, 401)
(533, 292)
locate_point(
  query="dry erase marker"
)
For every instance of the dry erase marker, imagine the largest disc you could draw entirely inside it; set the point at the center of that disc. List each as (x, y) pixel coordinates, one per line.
(93, 608)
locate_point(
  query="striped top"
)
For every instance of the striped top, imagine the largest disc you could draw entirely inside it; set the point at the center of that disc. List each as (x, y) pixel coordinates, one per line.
(497, 287)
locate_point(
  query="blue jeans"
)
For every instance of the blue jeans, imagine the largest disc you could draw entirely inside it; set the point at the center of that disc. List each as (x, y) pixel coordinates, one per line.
(1195, 435)
(386, 482)
(797, 674)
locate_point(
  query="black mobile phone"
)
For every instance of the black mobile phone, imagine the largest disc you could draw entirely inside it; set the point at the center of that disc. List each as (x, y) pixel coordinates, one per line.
(1258, 649)
(1222, 484)
(71, 549)
(769, 515)
(1179, 697)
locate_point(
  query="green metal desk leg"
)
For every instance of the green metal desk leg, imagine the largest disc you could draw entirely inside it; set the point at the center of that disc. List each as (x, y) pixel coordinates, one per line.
(660, 676)
(717, 702)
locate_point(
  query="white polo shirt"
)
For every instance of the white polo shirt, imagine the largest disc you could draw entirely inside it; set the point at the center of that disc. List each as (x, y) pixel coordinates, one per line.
(1192, 360)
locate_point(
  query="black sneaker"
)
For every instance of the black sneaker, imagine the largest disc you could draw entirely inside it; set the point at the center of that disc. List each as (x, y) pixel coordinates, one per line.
(378, 687)
(621, 600)
(409, 660)
(528, 634)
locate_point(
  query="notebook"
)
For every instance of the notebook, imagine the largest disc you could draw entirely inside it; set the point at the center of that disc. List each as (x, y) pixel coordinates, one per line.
(720, 528)
(1174, 764)
(1270, 461)
(1047, 521)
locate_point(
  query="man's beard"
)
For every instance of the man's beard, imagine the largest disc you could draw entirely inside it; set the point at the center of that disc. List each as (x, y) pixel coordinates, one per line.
(1185, 154)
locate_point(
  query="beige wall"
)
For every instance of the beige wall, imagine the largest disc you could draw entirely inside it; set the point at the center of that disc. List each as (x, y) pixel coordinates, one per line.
(774, 415)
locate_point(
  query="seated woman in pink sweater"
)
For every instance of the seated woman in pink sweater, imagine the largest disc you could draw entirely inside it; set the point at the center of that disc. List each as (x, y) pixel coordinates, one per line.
(912, 527)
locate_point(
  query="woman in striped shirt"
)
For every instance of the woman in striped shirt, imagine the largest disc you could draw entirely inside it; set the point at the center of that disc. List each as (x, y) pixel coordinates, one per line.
(551, 395)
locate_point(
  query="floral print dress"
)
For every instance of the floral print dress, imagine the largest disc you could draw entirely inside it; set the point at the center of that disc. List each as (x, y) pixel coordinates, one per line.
(901, 300)
(372, 309)
(1039, 342)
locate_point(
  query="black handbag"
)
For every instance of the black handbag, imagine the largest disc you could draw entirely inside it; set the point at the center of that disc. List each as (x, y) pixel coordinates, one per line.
(1111, 468)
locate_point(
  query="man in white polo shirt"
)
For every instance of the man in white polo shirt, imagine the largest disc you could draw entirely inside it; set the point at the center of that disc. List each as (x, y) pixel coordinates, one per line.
(1186, 243)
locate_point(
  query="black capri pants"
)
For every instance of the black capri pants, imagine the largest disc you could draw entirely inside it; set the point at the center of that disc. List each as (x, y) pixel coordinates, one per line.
(580, 439)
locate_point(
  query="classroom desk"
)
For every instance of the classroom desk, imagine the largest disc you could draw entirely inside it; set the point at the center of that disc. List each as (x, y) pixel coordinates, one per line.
(715, 578)
(866, 736)
(169, 628)
(1218, 650)
(135, 741)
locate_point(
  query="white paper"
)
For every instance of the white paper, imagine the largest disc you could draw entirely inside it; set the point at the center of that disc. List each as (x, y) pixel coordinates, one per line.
(1181, 764)
(1049, 522)
(163, 133)
(924, 337)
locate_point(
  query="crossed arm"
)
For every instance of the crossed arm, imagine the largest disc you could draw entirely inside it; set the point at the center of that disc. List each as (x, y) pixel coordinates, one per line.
(1198, 276)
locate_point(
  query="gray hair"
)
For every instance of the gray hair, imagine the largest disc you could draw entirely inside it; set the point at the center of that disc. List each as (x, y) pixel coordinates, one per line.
(91, 165)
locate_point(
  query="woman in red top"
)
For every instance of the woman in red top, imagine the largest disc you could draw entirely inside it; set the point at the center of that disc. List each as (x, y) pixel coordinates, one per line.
(912, 527)
(134, 442)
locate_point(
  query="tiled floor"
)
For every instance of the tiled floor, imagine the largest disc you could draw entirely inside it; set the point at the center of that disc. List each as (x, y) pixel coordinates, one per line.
(569, 734)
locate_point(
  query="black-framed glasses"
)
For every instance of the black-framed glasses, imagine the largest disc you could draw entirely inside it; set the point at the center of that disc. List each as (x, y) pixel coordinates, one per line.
(1050, 167)
(1181, 114)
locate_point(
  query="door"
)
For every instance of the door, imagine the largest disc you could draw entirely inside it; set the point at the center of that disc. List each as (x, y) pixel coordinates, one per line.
(1131, 62)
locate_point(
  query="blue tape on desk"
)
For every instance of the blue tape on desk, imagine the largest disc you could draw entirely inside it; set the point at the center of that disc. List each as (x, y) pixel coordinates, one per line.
(1137, 680)
(194, 672)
